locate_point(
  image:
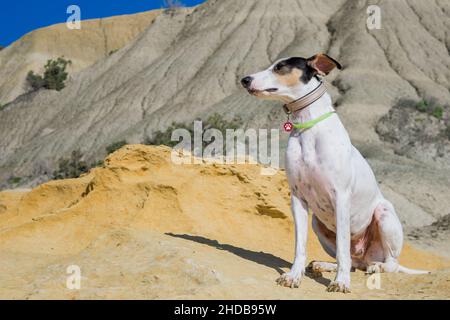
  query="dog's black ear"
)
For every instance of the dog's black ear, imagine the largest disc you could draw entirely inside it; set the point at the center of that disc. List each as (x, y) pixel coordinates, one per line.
(323, 64)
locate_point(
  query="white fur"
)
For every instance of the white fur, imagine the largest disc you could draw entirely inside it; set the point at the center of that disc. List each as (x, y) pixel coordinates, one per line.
(329, 176)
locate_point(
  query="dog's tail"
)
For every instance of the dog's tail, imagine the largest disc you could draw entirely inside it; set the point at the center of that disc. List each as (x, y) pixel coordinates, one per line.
(402, 269)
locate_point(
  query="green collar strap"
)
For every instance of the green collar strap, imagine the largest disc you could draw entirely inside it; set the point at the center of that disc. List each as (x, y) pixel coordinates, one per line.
(311, 123)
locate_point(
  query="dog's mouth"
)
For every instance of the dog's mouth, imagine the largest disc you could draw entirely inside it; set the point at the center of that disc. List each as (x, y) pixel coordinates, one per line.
(256, 92)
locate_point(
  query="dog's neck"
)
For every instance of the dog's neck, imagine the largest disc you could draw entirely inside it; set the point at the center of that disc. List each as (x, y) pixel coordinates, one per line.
(317, 108)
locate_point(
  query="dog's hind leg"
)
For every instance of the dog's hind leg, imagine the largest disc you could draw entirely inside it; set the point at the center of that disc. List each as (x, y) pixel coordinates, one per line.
(385, 249)
(326, 237)
(391, 237)
(328, 242)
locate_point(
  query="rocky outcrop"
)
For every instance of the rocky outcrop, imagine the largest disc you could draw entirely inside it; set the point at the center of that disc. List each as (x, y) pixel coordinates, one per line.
(418, 134)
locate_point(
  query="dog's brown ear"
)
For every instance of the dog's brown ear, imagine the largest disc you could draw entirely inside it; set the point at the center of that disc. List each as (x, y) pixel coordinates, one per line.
(323, 64)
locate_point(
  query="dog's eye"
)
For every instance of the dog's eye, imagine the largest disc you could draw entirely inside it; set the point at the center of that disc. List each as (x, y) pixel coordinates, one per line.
(278, 67)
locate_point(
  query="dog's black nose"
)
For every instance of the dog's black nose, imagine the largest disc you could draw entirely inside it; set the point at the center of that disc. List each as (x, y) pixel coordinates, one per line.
(246, 82)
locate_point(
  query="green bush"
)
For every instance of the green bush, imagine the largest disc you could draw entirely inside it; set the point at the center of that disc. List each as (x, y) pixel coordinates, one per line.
(35, 81)
(98, 163)
(215, 121)
(74, 166)
(438, 112)
(2, 106)
(164, 137)
(422, 106)
(54, 75)
(71, 167)
(430, 107)
(14, 180)
(115, 146)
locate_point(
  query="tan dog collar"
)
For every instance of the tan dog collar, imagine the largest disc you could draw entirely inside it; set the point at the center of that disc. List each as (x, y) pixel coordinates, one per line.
(307, 100)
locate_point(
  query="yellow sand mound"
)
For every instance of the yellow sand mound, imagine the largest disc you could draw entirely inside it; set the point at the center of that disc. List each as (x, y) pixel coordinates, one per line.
(141, 218)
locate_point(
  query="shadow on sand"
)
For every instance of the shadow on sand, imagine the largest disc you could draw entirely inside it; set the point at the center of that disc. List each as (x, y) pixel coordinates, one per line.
(262, 258)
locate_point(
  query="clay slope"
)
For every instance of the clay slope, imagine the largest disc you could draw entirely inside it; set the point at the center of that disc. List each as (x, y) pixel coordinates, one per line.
(95, 40)
(143, 227)
(187, 65)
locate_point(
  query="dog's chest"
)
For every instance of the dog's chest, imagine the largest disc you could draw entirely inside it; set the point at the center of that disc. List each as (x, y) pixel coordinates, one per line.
(308, 177)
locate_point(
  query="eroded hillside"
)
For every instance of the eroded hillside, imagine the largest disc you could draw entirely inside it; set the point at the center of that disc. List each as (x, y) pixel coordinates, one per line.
(186, 65)
(97, 39)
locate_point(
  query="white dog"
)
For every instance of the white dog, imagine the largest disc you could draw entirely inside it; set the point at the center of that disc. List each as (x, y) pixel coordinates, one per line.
(354, 222)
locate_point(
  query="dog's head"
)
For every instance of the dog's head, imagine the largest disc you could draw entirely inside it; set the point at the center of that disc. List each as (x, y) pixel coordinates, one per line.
(285, 78)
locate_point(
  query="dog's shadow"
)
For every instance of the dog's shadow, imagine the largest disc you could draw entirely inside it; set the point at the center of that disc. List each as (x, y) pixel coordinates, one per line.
(263, 258)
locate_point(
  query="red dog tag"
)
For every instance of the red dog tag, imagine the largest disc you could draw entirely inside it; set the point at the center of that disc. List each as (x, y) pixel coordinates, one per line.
(288, 126)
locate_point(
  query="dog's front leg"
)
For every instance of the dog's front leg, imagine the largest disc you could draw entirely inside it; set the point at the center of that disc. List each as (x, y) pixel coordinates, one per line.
(300, 212)
(343, 241)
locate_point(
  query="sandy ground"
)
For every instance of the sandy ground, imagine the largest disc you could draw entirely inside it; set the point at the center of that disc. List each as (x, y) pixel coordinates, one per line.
(142, 227)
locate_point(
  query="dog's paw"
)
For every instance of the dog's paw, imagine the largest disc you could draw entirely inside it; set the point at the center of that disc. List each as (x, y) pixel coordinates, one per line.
(290, 280)
(314, 274)
(314, 269)
(338, 286)
(374, 268)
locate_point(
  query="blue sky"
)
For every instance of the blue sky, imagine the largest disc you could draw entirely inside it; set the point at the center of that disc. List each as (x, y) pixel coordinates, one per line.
(18, 17)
